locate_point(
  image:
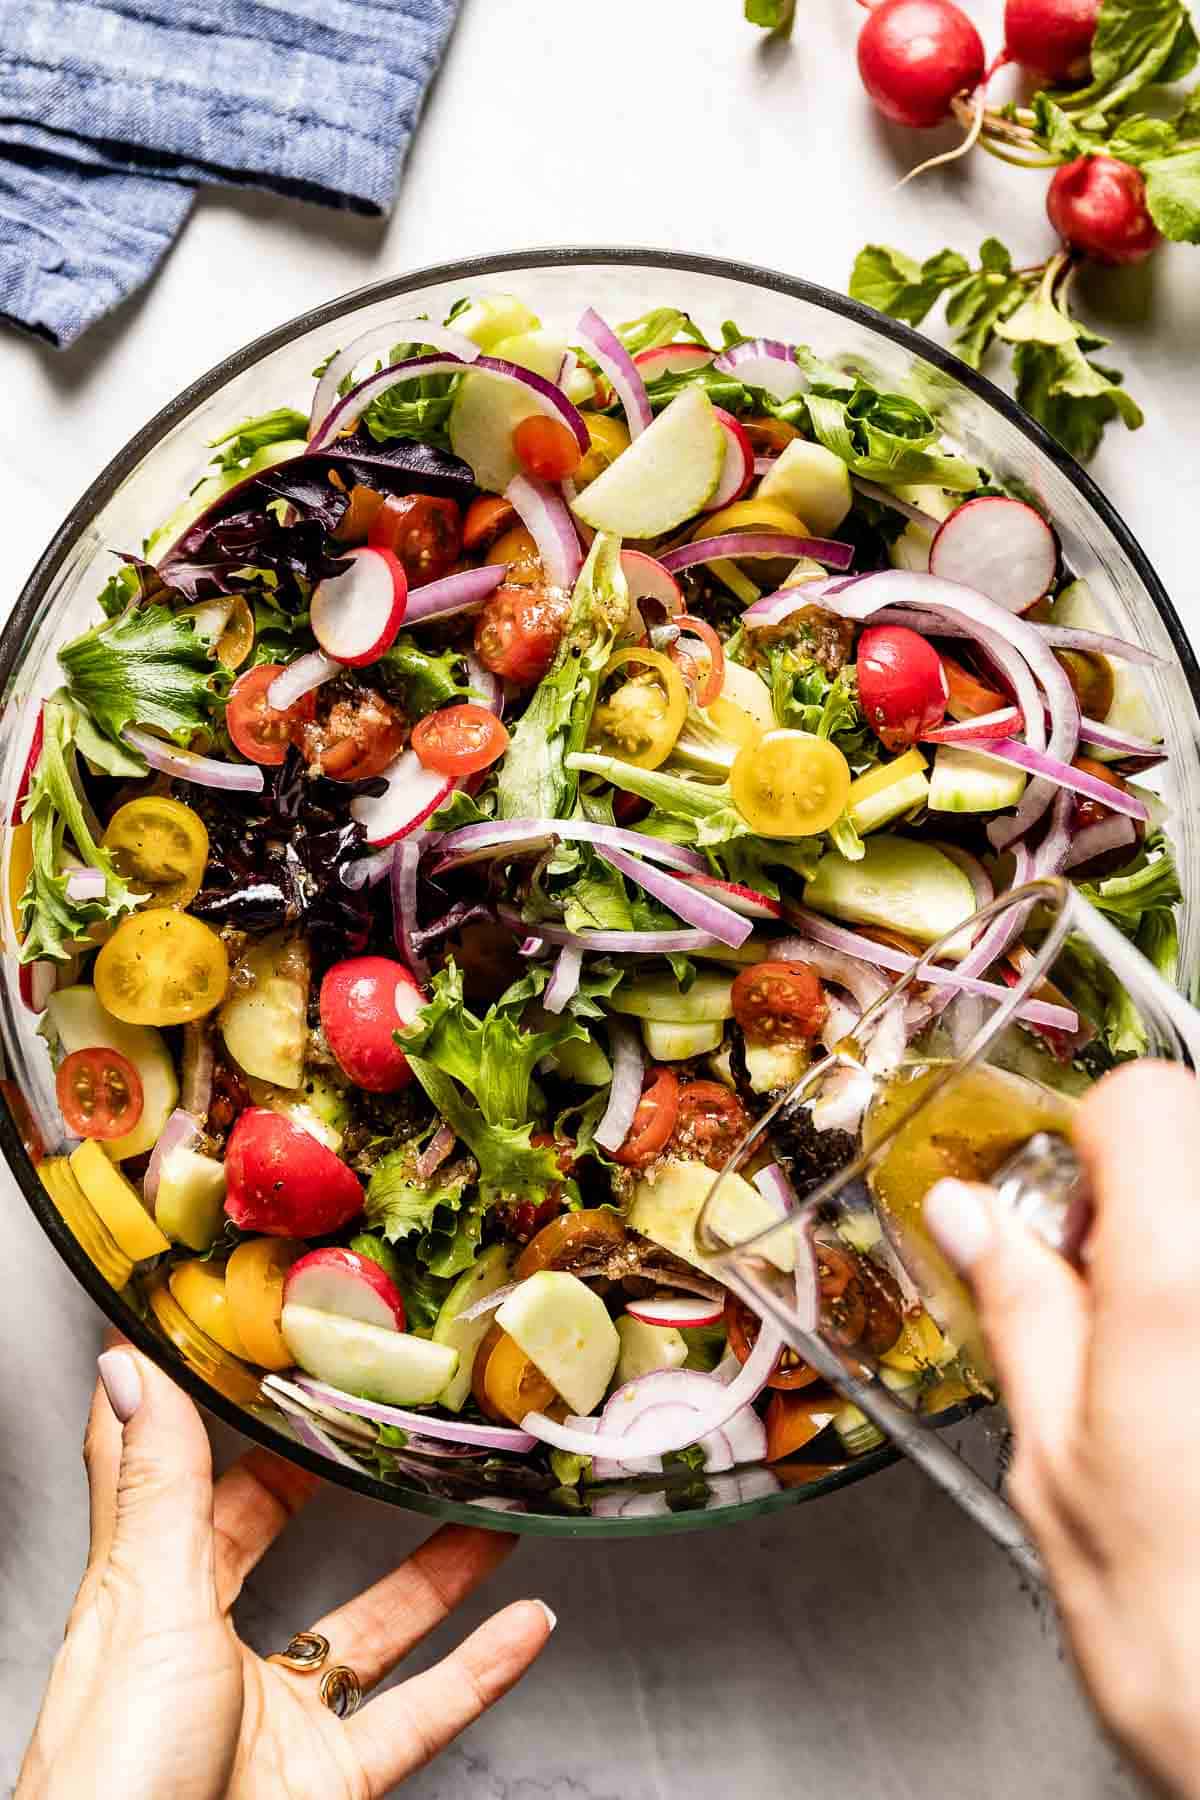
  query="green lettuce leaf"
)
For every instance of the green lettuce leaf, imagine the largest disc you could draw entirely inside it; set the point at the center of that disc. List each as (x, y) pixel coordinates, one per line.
(424, 1293)
(146, 667)
(536, 779)
(420, 681)
(237, 445)
(1149, 885)
(400, 1203)
(772, 15)
(885, 437)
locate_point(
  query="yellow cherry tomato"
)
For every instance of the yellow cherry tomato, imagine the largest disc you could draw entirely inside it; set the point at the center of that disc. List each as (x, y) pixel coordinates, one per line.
(517, 548)
(919, 1346)
(751, 515)
(161, 968)
(607, 437)
(237, 640)
(210, 1360)
(513, 1384)
(199, 1288)
(20, 867)
(640, 721)
(254, 1277)
(790, 784)
(885, 775)
(160, 846)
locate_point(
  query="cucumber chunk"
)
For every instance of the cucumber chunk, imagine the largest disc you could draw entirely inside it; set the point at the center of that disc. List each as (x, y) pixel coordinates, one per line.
(80, 1023)
(660, 997)
(564, 1328)
(968, 781)
(190, 1202)
(666, 475)
(889, 803)
(494, 317)
(811, 482)
(668, 1041)
(774, 1066)
(582, 1060)
(362, 1359)
(899, 884)
(491, 1272)
(1130, 710)
(265, 1020)
(647, 1348)
(541, 351)
(666, 1210)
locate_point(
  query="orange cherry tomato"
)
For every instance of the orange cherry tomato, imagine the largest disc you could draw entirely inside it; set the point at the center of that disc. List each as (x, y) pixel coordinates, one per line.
(710, 1124)
(518, 631)
(518, 552)
(99, 1093)
(459, 740)
(969, 698)
(423, 530)
(767, 434)
(714, 678)
(1088, 811)
(360, 515)
(654, 1120)
(260, 731)
(576, 1239)
(545, 448)
(742, 1328)
(779, 1002)
(794, 1420)
(486, 518)
(506, 1383)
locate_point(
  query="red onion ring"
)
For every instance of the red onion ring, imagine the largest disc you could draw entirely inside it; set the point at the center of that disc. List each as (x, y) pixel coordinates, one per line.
(1063, 775)
(757, 543)
(180, 1129)
(564, 983)
(1105, 737)
(1116, 833)
(85, 884)
(626, 1088)
(185, 765)
(379, 341)
(487, 688)
(619, 370)
(544, 515)
(368, 871)
(452, 594)
(406, 858)
(301, 677)
(764, 363)
(435, 1153)
(874, 490)
(548, 398)
(691, 904)
(492, 838)
(456, 1431)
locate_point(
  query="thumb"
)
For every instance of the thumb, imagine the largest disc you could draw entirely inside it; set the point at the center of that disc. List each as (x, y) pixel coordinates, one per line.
(1033, 1307)
(150, 1472)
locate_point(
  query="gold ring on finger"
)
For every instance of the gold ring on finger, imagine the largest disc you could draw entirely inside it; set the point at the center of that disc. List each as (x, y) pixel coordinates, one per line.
(305, 1652)
(340, 1691)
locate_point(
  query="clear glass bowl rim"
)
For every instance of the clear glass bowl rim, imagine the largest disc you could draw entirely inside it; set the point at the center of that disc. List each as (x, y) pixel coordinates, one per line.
(102, 489)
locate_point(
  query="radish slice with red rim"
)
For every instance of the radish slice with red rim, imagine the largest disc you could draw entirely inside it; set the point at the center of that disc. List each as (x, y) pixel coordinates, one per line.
(745, 900)
(412, 793)
(764, 363)
(648, 580)
(1003, 548)
(672, 359)
(981, 730)
(355, 616)
(685, 1312)
(737, 471)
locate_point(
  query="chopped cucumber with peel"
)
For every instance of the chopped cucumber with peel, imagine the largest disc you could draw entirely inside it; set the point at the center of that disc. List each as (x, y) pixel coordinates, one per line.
(666, 1208)
(674, 1041)
(190, 1202)
(391, 1366)
(666, 476)
(488, 321)
(660, 997)
(265, 1019)
(886, 793)
(582, 1060)
(811, 482)
(564, 1329)
(773, 1066)
(492, 1271)
(647, 1348)
(856, 1433)
(899, 884)
(969, 781)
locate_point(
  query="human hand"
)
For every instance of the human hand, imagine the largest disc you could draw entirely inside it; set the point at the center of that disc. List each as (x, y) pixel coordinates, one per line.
(1099, 1370)
(154, 1695)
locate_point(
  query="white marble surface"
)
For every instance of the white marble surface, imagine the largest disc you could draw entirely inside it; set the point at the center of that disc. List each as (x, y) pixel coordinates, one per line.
(873, 1646)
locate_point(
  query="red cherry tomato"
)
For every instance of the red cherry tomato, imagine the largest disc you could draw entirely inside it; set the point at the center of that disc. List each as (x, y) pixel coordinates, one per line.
(901, 684)
(260, 731)
(99, 1093)
(969, 697)
(524, 1220)
(423, 530)
(714, 678)
(742, 1328)
(486, 518)
(360, 1011)
(654, 1120)
(518, 632)
(349, 736)
(711, 1123)
(779, 1002)
(545, 448)
(459, 740)
(283, 1182)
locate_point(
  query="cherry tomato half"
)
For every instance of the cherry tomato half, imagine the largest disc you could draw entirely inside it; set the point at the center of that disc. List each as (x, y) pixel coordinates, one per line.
(161, 967)
(573, 1241)
(1091, 675)
(654, 1120)
(518, 552)
(779, 1002)
(1091, 812)
(710, 1124)
(260, 731)
(506, 1383)
(486, 518)
(364, 1002)
(640, 721)
(423, 530)
(790, 783)
(160, 846)
(518, 631)
(742, 1328)
(360, 515)
(546, 449)
(349, 736)
(99, 1093)
(901, 684)
(459, 740)
(969, 697)
(794, 1420)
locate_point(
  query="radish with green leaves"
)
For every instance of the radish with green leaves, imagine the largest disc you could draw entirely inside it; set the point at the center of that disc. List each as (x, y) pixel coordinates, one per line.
(915, 57)
(1097, 205)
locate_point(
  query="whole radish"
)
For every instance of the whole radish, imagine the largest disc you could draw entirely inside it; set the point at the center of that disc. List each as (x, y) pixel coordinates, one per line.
(1051, 38)
(1097, 204)
(915, 56)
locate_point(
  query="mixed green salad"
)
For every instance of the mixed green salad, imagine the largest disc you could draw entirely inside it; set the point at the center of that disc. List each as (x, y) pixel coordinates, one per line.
(491, 788)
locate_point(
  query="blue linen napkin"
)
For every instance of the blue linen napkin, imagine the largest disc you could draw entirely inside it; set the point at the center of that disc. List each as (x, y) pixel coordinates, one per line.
(111, 111)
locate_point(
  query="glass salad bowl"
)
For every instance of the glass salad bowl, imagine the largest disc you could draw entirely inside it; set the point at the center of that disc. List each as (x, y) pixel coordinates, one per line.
(143, 484)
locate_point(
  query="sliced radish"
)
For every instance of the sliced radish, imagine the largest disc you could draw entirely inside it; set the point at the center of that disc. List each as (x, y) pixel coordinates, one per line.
(648, 580)
(982, 729)
(413, 792)
(37, 981)
(363, 1360)
(355, 616)
(745, 900)
(683, 1311)
(999, 547)
(343, 1282)
(672, 359)
(737, 471)
(409, 1001)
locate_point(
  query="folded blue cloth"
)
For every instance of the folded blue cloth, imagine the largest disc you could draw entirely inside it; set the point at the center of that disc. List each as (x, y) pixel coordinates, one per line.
(112, 110)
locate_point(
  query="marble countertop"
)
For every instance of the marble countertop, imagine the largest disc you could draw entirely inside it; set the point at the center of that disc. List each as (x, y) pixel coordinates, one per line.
(873, 1645)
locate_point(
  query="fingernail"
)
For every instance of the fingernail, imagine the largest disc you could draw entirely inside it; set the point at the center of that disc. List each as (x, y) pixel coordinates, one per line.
(551, 1618)
(958, 1220)
(122, 1382)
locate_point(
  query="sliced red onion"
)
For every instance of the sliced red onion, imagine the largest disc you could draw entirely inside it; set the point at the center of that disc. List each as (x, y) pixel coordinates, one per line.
(626, 1088)
(490, 1302)
(301, 677)
(730, 544)
(678, 1416)
(712, 1406)
(619, 369)
(368, 871)
(487, 688)
(774, 1186)
(548, 398)
(566, 368)
(196, 1067)
(619, 943)
(435, 1152)
(378, 342)
(406, 858)
(291, 1399)
(982, 729)
(544, 515)
(564, 983)
(452, 594)
(885, 956)
(1063, 775)
(764, 363)
(471, 842)
(875, 491)
(85, 884)
(180, 1131)
(865, 984)
(185, 765)
(1106, 737)
(981, 882)
(317, 1438)
(1068, 637)
(688, 903)
(454, 1431)
(531, 946)
(1116, 833)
